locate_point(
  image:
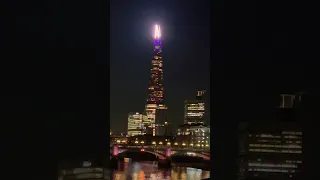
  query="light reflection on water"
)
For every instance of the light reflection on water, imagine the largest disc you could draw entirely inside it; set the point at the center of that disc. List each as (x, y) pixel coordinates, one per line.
(149, 171)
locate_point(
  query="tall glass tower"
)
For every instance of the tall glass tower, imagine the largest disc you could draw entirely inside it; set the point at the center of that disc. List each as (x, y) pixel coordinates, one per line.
(155, 87)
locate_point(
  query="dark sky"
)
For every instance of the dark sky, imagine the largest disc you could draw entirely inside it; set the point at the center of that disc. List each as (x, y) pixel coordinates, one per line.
(186, 54)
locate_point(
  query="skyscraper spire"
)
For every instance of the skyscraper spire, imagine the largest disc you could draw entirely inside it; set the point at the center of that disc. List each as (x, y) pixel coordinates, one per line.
(157, 32)
(157, 39)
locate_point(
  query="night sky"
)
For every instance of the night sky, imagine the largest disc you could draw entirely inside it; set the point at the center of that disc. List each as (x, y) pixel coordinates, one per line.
(186, 55)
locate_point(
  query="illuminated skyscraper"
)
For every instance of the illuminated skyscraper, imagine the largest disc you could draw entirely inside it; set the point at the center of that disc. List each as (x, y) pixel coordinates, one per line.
(155, 87)
(135, 126)
(194, 110)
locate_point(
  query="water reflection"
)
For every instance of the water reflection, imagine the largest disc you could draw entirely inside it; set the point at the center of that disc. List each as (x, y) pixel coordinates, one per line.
(149, 171)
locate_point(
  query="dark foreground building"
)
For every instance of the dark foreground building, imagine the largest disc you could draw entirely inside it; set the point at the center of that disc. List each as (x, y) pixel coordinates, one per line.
(273, 150)
(270, 151)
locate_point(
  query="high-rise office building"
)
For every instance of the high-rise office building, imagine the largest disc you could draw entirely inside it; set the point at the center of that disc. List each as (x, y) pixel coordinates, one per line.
(200, 94)
(135, 124)
(194, 110)
(194, 135)
(155, 98)
(289, 107)
(161, 119)
(289, 100)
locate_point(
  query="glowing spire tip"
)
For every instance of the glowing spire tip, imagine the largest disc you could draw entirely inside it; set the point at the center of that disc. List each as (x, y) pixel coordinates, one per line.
(157, 32)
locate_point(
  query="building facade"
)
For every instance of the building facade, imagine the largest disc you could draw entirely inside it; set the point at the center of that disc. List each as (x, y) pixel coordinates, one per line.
(160, 121)
(273, 150)
(194, 110)
(155, 98)
(270, 151)
(135, 124)
(289, 100)
(194, 135)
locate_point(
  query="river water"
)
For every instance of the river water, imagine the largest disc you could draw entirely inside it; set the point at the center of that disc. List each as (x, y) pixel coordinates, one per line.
(148, 170)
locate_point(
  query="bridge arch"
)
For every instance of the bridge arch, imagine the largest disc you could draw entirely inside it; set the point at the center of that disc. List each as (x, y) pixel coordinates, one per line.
(158, 155)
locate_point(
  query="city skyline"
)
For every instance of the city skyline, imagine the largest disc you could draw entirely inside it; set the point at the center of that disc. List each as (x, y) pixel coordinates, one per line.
(184, 71)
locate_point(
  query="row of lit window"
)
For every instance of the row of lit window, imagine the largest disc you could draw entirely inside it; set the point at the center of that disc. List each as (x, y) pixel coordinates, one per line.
(151, 105)
(293, 161)
(135, 117)
(287, 161)
(273, 165)
(278, 141)
(135, 131)
(195, 114)
(276, 146)
(198, 104)
(271, 170)
(292, 137)
(135, 128)
(276, 151)
(273, 141)
(275, 136)
(194, 134)
(195, 109)
(292, 133)
(198, 130)
(265, 136)
(156, 64)
(135, 122)
(298, 142)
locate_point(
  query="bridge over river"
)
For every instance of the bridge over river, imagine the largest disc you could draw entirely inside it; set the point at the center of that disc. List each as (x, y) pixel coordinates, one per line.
(161, 152)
